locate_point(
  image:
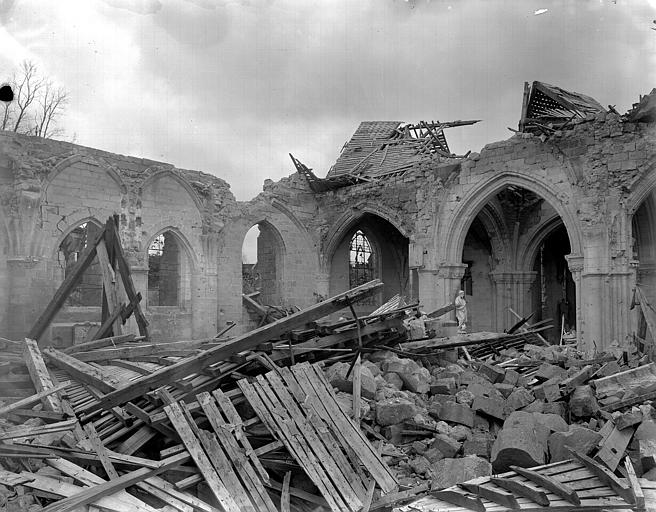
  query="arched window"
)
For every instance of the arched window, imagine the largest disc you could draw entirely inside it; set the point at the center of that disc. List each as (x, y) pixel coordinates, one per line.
(164, 270)
(362, 260)
(88, 292)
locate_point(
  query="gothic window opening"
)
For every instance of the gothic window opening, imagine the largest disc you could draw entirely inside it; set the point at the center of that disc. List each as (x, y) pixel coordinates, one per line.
(362, 261)
(88, 291)
(164, 270)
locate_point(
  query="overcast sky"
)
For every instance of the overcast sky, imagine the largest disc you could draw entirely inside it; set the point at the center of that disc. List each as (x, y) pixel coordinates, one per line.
(231, 87)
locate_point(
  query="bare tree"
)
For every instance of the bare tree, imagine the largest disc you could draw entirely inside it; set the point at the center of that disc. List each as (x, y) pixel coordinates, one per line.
(37, 105)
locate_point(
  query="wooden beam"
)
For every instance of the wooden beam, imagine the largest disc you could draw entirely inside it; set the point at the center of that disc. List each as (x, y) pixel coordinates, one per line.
(111, 341)
(502, 497)
(126, 277)
(108, 488)
(64, 290)
(81, 371)
(463, 500)
(31, 400)
(109, 285)
(523, 489)
(40, 376)
(550, 484)
(244, 342)
(636, 489)
(606, 476)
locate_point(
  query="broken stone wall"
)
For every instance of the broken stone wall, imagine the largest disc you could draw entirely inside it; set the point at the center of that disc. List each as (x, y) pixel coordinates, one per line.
(50, 187)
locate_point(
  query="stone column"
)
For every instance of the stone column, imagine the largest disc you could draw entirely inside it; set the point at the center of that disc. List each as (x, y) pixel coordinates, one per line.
(512, 290)
(438, 287)
(575, 264)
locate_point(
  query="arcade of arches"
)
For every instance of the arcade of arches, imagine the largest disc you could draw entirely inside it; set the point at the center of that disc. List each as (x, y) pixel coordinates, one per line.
(561, 227)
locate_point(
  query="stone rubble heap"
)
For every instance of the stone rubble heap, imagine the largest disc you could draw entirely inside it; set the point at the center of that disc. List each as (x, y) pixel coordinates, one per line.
(447, 422)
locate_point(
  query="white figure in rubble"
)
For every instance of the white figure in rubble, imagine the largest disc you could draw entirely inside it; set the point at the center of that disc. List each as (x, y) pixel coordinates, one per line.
(461, 311)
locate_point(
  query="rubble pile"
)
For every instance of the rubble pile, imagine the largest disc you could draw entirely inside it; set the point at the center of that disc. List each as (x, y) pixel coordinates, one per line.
(307, 414)
(445, 422)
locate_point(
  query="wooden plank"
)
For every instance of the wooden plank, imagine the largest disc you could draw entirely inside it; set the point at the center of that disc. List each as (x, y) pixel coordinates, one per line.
(99, 448)
(126, 277)
(97, 492)
(523, 489)
(285, 433)
(64, 290)
(348, 487)
(188, 499)
(179, 421)
(81, 371)
(244, 342)
(89, 479)
(351, 470)
(109, 284)
(224, 470)
(606, 476)
(312, 456)
(133, 351)
(500, 496)
(235, 420)
(636, 489)
(171, 502)
(111, 341)
(284, 495)
(248, 475)
(69, 491)
(357, 388)
(612, 448)
(17, 433)
(31, 400)
(468, 501)
(36, 366)
(369, 457)
(550, 484)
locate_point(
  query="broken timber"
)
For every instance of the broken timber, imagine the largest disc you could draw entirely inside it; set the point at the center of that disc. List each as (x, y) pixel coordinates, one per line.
(223, 352)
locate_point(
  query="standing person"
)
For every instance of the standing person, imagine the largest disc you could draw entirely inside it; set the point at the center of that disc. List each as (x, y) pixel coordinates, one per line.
(461, 311)
(417, 326)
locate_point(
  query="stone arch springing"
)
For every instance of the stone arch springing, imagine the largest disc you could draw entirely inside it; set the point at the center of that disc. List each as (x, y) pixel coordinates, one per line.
(454, 233)
(155, 176)
(72, 160)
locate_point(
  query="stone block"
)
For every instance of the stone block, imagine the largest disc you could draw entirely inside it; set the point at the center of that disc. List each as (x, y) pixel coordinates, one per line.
(548, 371)
(582, 402)
(446, 444)
(628, 419)
(394, 433)
(535, 406)
(519, 398)
(448, 472)
(492, 372)
(455, 413)
(505, 389)
(336, 375)
(518, 446)
(392, 411)
(581, 439)
(511, 377)
(465, 397)
(479, 444)
(485, 389)
(469, 377)
(553, 422)
(481, 423)
(444, 386)
(460, 432)
(490, 407)
(557, 408)
(548, 391)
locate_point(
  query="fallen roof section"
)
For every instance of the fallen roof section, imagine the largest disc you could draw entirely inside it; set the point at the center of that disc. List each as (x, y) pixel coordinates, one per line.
(645, 110)
(386, 147)
(549, 107)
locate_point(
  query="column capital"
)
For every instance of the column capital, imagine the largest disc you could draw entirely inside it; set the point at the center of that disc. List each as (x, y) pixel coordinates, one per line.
(514, 277)
(450, 270)
(575, 262)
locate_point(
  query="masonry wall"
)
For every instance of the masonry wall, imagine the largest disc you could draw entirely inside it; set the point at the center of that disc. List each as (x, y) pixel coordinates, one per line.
(592, 179)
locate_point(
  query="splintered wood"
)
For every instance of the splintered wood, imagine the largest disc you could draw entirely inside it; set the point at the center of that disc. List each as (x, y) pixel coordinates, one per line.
(299, 408)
